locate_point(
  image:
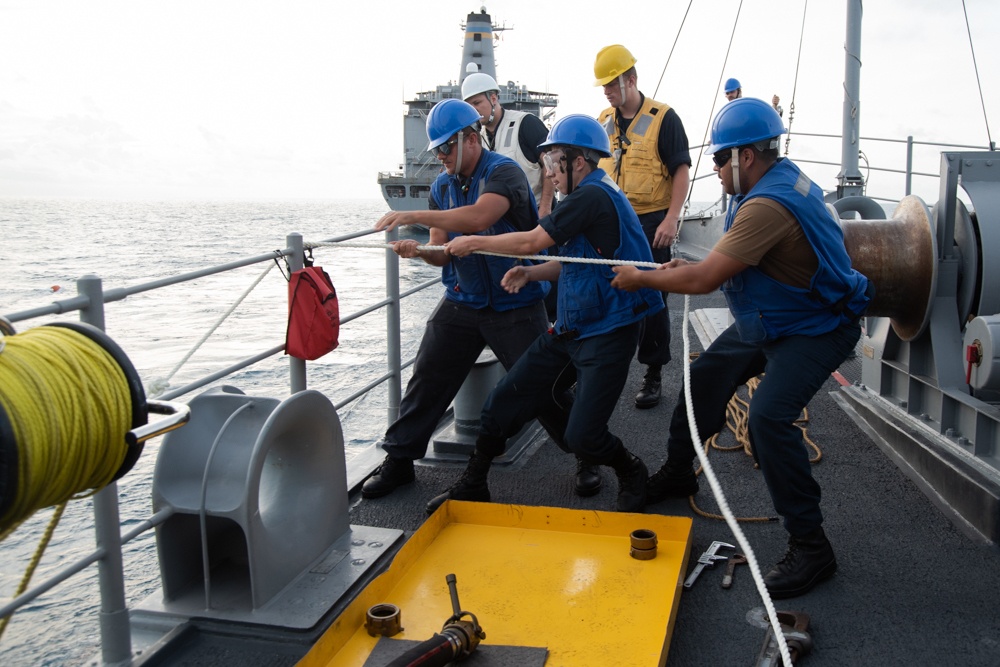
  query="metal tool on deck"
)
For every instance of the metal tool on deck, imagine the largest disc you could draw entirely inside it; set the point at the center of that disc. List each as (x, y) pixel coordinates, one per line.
(727, 578)
(707, 559)
(793, 626)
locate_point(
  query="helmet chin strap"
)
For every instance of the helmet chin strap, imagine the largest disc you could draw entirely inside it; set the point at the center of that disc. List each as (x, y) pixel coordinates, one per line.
(493, 114)
(735, 162)
(458, 155)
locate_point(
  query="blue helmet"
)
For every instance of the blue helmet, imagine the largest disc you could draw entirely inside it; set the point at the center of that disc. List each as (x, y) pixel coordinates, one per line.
(732, 84)
(581, 131)
(742, 122)
(447, 118)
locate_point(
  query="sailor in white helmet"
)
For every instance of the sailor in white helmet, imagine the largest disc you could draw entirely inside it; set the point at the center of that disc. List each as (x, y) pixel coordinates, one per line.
(515, 134)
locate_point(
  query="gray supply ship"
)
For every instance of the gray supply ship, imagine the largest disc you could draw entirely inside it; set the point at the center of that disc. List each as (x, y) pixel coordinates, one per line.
(408, 188)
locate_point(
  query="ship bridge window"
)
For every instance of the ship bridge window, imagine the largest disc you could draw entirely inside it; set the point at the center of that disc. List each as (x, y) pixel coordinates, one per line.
(420, 191)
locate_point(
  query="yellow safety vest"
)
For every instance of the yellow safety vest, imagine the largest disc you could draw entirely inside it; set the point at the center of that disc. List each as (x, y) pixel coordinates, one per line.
(635, 163)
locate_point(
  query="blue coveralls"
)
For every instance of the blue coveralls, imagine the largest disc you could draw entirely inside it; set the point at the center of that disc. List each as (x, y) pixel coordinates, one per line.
(474, 312)
(796, 337)
(595, 337)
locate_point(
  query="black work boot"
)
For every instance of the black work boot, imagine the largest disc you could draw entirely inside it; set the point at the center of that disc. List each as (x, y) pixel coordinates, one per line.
(392, 473)
(588, 478)
(649, 393)
(470, 486)
(808, 561)
(632, 476)
(671, 481)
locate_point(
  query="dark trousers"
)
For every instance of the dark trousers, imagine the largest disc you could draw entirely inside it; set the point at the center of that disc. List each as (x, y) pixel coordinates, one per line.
(794, 368)
(600, 366)
(654, 332)
(454, 337)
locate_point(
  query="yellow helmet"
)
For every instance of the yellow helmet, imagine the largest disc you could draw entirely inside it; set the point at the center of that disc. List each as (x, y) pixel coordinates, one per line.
(611, 62)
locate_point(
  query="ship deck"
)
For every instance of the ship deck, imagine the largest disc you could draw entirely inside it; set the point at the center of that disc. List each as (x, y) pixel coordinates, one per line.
(913, 588)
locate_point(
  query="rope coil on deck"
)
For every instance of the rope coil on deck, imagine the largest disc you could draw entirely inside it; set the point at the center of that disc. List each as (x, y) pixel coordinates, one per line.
(68, 396)
(737, 422)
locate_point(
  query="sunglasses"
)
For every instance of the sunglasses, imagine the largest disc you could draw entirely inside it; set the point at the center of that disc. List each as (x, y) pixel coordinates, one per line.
(446, 147)
(722, 158)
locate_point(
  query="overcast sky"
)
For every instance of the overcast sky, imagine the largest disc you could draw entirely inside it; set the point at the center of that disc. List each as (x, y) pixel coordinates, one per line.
(219, 99)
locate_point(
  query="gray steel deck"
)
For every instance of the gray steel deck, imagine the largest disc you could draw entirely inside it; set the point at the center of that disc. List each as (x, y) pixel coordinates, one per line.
(912, 588)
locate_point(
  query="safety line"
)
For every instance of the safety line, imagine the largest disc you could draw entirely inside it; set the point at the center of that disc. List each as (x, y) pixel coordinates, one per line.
(975, 65)
(795, 81)
(161, 384)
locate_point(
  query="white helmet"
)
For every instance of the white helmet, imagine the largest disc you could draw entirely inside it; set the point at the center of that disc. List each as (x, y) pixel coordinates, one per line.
(478, 82)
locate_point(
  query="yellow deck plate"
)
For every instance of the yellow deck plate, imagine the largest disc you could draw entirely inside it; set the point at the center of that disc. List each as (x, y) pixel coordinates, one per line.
(555, 578)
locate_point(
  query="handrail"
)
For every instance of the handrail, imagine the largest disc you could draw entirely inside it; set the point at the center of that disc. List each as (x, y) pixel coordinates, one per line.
(115, 630)
(907, 172)
(80, 303)
(893, 141)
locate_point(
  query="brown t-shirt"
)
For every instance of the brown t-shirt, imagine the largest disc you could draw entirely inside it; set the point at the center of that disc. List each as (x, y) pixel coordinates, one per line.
(766, 235)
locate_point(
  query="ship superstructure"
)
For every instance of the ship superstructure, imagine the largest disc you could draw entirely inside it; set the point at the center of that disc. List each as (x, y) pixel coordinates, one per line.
(408, 188)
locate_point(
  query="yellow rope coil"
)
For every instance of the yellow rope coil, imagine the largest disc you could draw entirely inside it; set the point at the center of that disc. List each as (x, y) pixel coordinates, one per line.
(69, 407)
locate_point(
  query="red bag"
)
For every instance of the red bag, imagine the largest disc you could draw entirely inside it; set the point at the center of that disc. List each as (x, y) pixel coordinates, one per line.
(313, 314)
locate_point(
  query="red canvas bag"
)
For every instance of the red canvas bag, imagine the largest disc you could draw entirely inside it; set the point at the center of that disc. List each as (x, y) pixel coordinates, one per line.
(313, 314)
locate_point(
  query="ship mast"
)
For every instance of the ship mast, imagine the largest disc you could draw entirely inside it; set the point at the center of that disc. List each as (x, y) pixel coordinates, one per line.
(850, 181)
(478, 47)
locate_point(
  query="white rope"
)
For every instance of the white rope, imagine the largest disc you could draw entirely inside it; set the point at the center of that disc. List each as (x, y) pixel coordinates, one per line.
(721, 498)
(160, 385)
(706, 466)
(543, 258)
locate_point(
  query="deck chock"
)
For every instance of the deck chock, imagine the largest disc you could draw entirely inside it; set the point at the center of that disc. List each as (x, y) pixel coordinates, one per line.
(245, 480)
(794, 626)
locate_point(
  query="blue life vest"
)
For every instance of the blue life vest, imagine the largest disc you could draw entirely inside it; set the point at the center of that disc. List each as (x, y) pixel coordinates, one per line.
(766, 309)
(588, 304)
(474, 280)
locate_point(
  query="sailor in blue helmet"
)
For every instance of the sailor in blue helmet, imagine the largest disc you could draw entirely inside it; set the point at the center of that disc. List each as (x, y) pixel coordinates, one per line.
(796, 302)
(733, 90)
(477, 192)
(597, 328)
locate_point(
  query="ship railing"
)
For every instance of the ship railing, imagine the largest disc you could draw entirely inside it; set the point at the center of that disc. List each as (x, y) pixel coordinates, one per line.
(116, 643)
(906, 160)
(907, 171)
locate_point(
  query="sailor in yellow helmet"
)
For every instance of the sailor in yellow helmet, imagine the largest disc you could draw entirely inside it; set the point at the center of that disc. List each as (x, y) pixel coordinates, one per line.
(650, 162)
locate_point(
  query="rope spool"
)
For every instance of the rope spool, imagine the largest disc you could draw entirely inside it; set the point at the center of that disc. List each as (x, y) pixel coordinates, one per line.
(900, 257)
(68, 397)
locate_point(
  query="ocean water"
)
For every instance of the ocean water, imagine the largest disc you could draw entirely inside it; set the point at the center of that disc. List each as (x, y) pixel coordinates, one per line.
(46, 245)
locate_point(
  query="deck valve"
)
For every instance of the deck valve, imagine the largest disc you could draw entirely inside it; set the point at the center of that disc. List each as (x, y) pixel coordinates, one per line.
(457, 640)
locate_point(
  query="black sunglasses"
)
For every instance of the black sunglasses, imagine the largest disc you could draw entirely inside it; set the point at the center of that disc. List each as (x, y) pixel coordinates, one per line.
(446, 147)
(722, 158)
